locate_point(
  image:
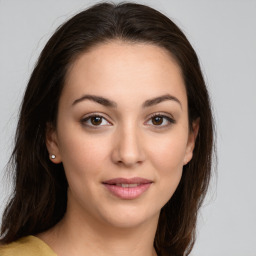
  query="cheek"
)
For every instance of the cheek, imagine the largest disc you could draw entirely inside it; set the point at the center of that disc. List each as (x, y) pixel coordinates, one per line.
(82, 155)
(167, 158)
(82, 161)
(169, 153)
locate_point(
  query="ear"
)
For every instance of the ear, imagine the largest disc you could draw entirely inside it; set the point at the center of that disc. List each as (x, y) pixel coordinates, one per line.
(52, 144)
(191, 141)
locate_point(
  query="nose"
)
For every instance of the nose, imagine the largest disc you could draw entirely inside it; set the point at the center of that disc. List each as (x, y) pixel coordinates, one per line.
(128, 148)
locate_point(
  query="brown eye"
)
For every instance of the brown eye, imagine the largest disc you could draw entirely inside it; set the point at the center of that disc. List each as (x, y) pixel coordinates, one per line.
(157, 120)
(160, 121)
(96, 120)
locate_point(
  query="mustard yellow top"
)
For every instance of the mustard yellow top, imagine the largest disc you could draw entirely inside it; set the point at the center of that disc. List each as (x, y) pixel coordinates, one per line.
(27, 246)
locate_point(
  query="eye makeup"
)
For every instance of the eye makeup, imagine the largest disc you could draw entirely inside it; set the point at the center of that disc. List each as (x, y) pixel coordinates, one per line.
(156, 120)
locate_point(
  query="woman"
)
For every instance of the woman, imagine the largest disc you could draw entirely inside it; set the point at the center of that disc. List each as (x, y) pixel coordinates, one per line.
(114, 142)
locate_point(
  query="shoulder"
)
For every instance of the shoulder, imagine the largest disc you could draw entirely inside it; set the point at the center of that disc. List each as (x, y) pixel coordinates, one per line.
(26, 246)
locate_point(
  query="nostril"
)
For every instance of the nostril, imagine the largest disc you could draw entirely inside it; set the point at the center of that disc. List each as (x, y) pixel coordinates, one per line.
(127, 150)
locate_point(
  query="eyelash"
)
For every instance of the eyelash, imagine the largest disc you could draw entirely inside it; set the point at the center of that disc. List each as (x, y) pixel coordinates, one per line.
(167, 118)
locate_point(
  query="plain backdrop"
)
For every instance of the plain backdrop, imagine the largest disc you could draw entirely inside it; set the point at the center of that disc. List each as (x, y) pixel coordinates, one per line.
(223, 33)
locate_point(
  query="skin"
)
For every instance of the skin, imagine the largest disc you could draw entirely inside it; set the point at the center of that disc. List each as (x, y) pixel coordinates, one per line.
(127, 142)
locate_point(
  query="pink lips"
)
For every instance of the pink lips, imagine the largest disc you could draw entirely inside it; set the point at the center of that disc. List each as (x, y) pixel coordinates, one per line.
(127, 188)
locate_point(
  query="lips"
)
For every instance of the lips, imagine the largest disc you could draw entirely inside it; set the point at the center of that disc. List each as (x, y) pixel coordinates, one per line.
(127, 188)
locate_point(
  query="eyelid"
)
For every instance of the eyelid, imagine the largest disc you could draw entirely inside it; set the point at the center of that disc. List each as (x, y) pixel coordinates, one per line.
(167, 116)
(164, 115)
(90, 115)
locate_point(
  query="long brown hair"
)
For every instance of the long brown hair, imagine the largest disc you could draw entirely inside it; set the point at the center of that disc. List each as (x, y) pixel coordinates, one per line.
(40, 193)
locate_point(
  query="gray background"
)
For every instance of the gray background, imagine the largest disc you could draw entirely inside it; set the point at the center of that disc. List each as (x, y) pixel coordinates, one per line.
(224, 35)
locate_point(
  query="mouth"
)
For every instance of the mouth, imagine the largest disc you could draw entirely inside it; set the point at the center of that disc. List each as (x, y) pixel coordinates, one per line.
(127, 188)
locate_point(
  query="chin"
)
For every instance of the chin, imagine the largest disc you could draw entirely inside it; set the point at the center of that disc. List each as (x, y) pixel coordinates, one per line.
(129, 217)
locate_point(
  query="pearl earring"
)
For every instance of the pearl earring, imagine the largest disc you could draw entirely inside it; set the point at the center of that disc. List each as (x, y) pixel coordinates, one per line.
(53, 156)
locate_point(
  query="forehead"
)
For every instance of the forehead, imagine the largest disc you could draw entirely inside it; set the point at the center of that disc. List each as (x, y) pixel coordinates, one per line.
(122, 69)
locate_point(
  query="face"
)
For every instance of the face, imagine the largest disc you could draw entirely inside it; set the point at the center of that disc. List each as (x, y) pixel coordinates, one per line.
(122, 132)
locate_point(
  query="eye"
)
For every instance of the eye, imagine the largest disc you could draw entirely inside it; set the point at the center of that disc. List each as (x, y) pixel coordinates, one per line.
(160, 120)
(95, 120)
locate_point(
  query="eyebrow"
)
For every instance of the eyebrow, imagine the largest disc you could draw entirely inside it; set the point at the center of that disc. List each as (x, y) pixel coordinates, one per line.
(156, 100)
(109, 103)
(103, 101)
